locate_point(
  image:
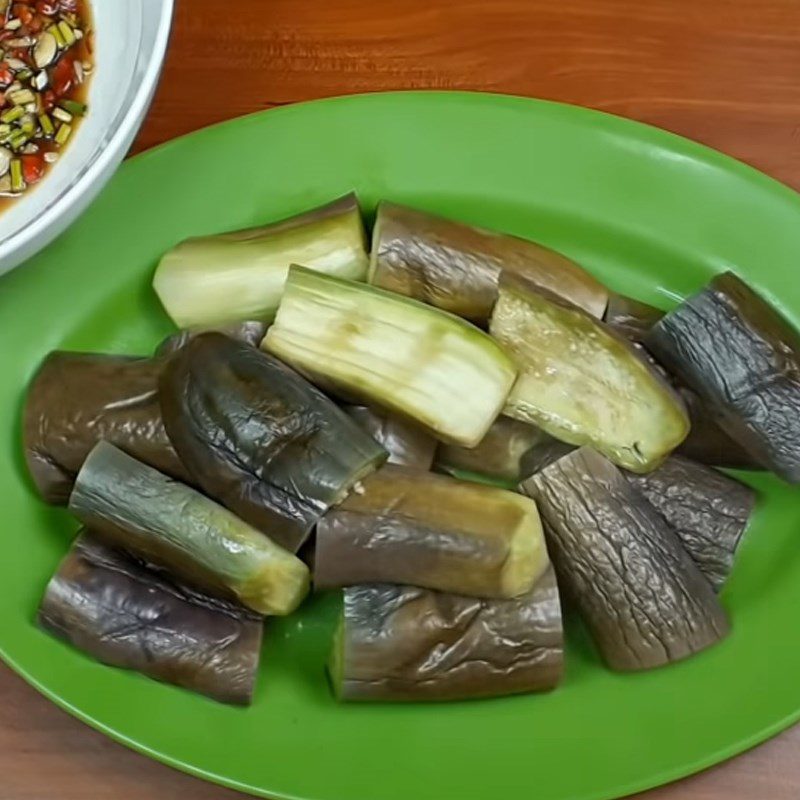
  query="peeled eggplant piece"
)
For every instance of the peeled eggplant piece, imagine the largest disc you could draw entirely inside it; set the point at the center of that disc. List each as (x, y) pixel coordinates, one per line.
(407, 444)
(455, 266)
(259, 438)
(77, 399)
(499, 454)
(249, 332)
(581, 382)
(133, 506)
(708, 510)
(211, 280)
(113, 607)
(743, 359)
(643, 598)
(406, 643)
(389, 351)
(631, 318)
(402, 525)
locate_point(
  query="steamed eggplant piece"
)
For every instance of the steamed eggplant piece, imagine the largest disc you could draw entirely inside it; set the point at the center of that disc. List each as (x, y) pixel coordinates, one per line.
(631, 318)
(406, 643)
(582, 383)
(499, 454)
(113, 607)
(644, 599)
(211, 280)
(743, 359)
(77, 399)
(455, 266)
(402, 525)
(708, 510)
(248, 332)
(386, 350)
(134, 507)
(707, 442)
(259, 438)
(407, 444)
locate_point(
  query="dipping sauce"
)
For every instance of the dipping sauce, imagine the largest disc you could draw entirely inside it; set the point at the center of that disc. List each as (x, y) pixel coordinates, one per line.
(46, 58)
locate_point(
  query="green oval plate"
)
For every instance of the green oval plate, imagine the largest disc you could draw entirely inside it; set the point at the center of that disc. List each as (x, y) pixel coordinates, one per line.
(652, 214)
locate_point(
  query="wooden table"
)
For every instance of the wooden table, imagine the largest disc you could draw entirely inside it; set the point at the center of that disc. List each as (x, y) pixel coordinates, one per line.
(725, 72)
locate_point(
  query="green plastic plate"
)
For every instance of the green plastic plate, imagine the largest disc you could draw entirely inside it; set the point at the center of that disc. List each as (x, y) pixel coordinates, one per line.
(652, 214)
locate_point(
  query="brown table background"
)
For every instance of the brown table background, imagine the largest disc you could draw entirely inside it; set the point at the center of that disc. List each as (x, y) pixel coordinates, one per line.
(724, 72)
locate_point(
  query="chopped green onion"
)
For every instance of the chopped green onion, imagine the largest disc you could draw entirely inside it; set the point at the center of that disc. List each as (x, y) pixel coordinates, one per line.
(73, 107)
(17, 181)
(63, 134)
(24, 74)
(47, 125)
(28, 124)
(22, 97)
(18, 139)
(12, 114)
(61, 115)
(66, 32)
(57, 35)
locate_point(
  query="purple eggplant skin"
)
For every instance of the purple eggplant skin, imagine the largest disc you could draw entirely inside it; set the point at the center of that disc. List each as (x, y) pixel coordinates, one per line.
(248, 332)
(499, 455)
(707, 442)
(708, 510)
(77, 399)
(402, 643)
(643, 598)
(456, 267)
(407, 443)
(630, 318)
(125, 614)
(259, 438)
(402, 525)
(743, 360)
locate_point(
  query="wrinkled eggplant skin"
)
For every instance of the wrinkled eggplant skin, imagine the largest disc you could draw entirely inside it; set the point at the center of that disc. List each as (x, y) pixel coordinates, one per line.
(77, 399)
(407, 444)
(707, 442)
(743, 360)
(643, 598)
(259, 438)
(248, 332)
(456, 267)
(499, 455)
(403, 525)
(631, 318)
(113, 607)
(402, 643)
(708, 510)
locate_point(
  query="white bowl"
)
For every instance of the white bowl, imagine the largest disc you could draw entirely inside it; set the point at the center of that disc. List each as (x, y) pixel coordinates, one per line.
(130, 44)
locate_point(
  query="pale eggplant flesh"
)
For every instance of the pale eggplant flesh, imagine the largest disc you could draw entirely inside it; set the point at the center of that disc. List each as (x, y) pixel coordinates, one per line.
(643, 598)
(403, 643)
(402, 525)
(456, 267)
(77, 399)
(407, 444)
(708, 510)
(118, 610)
(261, 439)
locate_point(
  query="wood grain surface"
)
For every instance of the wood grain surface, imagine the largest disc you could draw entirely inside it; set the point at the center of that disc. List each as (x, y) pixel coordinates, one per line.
(724, 72)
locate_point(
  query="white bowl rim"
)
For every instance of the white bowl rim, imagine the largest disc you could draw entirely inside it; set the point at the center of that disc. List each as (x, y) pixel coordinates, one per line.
(92, 172)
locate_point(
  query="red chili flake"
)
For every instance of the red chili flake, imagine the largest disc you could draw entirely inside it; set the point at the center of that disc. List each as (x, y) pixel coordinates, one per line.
(48, 100)
(62, 76)
(22, 12)
(6, 75)
(32, 167)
